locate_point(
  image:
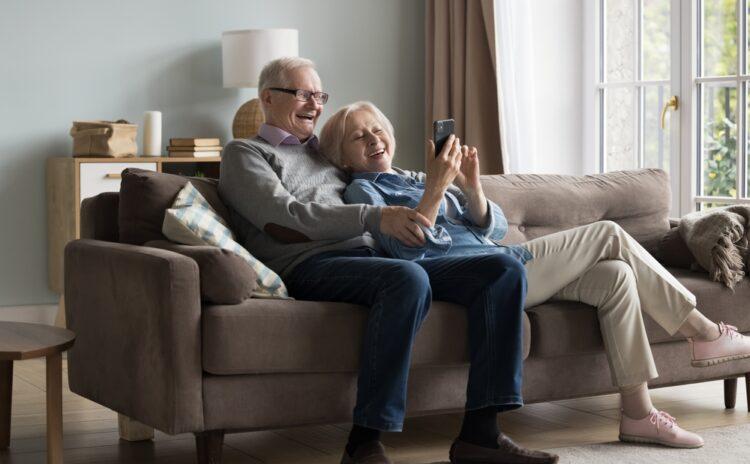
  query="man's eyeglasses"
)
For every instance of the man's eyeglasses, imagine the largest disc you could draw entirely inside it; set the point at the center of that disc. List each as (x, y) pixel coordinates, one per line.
(321, 98)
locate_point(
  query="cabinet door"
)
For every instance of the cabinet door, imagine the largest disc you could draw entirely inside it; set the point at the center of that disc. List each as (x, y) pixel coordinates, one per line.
(98, 178)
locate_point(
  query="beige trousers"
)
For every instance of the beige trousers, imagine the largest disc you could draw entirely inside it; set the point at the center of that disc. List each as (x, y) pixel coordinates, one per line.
(601, 265)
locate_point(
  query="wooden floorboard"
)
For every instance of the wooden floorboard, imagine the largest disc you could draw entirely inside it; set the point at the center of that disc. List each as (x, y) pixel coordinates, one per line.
(90, 430)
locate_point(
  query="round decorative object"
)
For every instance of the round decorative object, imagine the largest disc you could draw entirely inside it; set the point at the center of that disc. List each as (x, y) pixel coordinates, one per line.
(248, 119)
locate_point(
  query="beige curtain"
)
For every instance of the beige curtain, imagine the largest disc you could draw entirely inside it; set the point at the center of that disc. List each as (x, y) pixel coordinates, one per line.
(460, 74)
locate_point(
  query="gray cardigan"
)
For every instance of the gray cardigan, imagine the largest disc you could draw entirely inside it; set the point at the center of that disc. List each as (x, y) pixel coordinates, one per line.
(286, 203)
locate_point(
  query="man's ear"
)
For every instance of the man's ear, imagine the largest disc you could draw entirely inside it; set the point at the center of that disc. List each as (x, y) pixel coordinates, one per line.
(265, 97)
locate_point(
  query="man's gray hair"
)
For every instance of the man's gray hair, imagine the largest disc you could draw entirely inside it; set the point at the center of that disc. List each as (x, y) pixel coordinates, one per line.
(274, 74)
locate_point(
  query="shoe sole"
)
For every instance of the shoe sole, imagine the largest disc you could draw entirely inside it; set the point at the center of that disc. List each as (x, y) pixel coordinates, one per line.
(653, 441)
(714, 361)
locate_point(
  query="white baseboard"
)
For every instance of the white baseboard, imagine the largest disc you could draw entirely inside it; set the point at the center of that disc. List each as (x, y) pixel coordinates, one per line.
(37, 314)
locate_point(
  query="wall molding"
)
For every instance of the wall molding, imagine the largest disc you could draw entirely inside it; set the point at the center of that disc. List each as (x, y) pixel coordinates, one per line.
(37, 314)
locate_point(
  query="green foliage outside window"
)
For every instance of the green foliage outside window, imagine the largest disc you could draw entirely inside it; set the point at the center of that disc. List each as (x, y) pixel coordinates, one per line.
(720, 128)
(720, 160)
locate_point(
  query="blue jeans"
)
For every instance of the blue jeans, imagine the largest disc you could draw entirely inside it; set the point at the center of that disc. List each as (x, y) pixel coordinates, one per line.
(398, 293)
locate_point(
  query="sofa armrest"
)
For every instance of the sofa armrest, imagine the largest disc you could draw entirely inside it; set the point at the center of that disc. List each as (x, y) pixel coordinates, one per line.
(136, 312)
(225, 277)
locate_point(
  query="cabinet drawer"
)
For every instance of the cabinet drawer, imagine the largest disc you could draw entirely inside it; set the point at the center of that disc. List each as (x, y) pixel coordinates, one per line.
(97, 178)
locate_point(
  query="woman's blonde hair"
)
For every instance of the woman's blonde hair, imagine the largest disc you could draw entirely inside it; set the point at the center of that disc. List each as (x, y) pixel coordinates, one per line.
(334, 130)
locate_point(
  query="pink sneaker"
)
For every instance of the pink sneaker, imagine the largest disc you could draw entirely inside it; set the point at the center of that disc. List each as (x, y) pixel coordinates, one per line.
(660, 428)
(729, 346)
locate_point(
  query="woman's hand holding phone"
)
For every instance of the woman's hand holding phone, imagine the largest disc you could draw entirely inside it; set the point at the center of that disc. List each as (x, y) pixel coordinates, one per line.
(441, 171)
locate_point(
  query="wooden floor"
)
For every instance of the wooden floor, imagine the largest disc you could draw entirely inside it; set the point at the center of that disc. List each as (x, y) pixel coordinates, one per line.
(90, 430)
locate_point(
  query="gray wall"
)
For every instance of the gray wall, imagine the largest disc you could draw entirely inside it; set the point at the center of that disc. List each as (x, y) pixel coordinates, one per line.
(88, 59)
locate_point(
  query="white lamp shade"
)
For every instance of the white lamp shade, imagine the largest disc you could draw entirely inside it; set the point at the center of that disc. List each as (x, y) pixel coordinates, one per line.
(244, 53)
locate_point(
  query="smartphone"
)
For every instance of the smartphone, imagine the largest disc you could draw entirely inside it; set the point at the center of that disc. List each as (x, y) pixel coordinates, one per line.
(441, 130)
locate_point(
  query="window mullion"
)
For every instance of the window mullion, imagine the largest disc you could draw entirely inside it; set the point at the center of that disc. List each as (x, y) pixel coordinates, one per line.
(698, 161)
(742, 103)
(639, 90)
(602, 79)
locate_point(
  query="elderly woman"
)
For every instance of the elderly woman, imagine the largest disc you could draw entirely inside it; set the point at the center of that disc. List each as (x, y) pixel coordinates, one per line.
(598, 264)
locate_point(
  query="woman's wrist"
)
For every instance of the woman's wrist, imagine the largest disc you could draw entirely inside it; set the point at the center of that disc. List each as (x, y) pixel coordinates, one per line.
(473, 191)
(429, 205)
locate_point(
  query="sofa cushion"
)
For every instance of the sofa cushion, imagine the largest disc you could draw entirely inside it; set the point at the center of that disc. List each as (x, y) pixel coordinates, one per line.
(715, 301)
(537, 205)
(146, 195)
(264, 336)
(672, 251)
(225, 278)
(99, 217)
(562, 328)
(192, 221)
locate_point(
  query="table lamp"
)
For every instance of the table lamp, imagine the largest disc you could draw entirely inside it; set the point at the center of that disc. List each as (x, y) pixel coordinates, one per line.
(243, 55)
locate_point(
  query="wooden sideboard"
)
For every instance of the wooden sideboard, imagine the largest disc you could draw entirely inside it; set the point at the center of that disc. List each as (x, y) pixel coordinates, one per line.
(70, 180)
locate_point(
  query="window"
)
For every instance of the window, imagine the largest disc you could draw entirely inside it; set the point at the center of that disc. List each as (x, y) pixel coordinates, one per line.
(721, 89)
(634, 83)
(641, 58)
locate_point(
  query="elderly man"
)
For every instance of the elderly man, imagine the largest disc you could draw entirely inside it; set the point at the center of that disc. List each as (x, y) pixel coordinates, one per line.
(287, 209)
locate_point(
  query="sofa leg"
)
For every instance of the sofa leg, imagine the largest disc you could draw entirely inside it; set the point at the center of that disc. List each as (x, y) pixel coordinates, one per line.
(131, 430)
(747, 390)
(730, 393)
(209, 445)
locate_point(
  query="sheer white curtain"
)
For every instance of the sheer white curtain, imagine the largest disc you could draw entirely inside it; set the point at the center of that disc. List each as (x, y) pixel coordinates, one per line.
(515, 73)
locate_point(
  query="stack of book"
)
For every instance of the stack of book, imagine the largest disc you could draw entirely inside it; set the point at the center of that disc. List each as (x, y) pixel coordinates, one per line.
(194, 148)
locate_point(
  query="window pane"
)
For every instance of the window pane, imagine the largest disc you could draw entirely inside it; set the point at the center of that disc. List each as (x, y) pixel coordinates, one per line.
(656, 32)
(620, 40)
(719, 157)
(655, 139)
(620, 129)
(719, 37)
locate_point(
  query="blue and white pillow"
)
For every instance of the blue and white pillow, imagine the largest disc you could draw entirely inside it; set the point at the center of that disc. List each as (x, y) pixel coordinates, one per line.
(192, 221)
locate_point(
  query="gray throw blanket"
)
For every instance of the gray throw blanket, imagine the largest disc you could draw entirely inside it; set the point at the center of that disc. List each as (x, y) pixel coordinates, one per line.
(718, 239)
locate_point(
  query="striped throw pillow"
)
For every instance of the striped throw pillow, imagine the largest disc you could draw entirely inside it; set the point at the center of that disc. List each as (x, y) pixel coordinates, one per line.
(192, 221)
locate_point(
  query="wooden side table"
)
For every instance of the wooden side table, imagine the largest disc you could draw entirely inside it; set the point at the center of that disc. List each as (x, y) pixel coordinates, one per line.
(26, 341)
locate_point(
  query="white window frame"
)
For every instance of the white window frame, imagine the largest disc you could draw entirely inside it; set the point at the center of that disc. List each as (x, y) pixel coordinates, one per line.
(593, 132)
(688, 109)
(687, 166)
(741, 80)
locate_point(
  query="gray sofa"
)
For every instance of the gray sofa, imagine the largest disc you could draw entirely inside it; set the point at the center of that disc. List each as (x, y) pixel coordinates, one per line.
(156, 343)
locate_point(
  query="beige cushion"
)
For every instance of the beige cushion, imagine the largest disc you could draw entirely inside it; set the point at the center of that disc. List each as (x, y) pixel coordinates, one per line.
(263, 336)
(537, 205)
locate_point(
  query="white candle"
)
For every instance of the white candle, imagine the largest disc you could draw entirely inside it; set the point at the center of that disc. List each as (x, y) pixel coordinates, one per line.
(152, 133)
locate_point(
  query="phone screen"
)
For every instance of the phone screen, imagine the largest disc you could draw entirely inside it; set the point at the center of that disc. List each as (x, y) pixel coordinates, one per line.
(441, 130)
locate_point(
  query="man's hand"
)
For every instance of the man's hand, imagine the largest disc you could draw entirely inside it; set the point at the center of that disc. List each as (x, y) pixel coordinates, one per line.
(402, 222)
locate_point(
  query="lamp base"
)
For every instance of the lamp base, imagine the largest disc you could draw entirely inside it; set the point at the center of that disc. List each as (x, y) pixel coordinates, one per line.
(248, 119)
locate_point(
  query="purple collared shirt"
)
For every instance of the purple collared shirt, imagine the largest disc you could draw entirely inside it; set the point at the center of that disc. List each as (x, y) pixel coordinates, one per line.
(276, 136)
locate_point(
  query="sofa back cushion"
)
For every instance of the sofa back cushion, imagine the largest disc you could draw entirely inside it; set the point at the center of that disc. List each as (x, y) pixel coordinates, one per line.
(537, 205)
(146, 195)
(99, 217)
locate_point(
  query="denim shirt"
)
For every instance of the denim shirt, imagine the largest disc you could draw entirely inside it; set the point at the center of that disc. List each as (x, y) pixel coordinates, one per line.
(454, 232)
